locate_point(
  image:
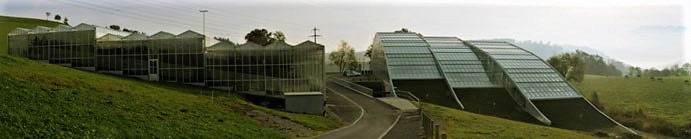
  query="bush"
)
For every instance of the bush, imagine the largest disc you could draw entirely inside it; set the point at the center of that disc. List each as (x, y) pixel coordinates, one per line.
(639, 120)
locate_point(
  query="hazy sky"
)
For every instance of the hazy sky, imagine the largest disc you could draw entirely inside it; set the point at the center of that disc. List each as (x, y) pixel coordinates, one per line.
(643, 33)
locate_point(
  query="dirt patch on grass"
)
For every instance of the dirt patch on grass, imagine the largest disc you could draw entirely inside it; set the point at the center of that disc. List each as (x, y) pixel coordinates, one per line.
(281, 124)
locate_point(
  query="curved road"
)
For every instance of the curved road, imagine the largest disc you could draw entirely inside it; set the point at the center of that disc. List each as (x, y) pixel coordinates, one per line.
(373, 123)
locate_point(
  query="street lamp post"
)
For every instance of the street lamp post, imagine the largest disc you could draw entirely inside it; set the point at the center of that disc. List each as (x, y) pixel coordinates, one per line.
(204, 21)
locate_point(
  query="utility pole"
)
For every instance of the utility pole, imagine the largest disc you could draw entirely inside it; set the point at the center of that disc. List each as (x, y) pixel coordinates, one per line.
(314, 31)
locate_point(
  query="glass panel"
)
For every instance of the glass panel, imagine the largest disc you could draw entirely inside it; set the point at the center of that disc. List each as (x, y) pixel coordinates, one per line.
(395, 50)
(462, 80)
(515, 57)
(533, 70)
(408, 55)
(496, 46)
(410, 61)
(505, 51)
(404, 44)
(462, 68)
(456, 56)
(547, 90)
(536, 77)
(412, 40)
(523, 64)
(439, 50)
(490, 43)
(456, 62)
(414, 72)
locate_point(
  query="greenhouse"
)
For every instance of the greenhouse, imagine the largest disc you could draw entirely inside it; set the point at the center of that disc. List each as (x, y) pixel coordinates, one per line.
(275, 68)
(248, 68)
(64, 45)
(486, 77)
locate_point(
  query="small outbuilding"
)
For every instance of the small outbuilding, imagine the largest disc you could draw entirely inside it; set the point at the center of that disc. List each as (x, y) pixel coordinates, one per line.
(304, 102)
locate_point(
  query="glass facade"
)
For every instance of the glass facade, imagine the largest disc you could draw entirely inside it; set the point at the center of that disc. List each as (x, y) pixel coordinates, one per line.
(260, 70)
(275, 68)
(71, 47)
(460, 65)
(408, 57)
(524, 74)
(471, 68)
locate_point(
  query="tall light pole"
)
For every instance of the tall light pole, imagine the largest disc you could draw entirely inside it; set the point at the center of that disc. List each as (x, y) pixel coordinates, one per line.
(204, 22)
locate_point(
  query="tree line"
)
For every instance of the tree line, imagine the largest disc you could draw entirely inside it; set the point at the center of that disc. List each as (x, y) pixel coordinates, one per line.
(674, 70)
(573, 66)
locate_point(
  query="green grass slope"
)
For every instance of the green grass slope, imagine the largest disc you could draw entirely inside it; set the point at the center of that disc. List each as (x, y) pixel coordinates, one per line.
(654, 106)
(39, 100)
(461, 124)
(669, 99)
(8, 24)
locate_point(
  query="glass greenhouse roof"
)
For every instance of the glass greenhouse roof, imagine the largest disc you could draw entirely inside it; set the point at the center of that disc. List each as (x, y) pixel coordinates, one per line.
(460, 65)
(532, 76)
(408, 57)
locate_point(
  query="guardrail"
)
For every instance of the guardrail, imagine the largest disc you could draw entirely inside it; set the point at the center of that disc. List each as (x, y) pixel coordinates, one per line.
(431, 129)
(354, 86)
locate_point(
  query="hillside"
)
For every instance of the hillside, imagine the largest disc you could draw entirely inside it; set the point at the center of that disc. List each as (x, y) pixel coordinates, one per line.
(41, 100)
(668, 99)
(461, 124)
(659, 106)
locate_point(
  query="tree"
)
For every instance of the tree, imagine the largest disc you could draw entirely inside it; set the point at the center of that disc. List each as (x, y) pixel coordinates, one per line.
(569, 65)
(57, 17)
(259, 36)
(368, 53)
(114, 27)
(223, 40)
(403, 30)
(344, 57)
(279, 36)
(264, 37)
(65, 21)
(47, 15)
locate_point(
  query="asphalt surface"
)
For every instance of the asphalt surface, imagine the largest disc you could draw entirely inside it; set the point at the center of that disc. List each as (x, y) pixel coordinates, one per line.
(375, 121)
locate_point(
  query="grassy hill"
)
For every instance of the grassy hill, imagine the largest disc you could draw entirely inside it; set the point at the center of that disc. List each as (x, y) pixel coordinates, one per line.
(461, 124)
(669, 99)
(649, 105)
(46, 101)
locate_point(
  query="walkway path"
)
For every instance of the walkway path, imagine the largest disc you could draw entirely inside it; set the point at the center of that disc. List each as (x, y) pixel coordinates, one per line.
(374, 121)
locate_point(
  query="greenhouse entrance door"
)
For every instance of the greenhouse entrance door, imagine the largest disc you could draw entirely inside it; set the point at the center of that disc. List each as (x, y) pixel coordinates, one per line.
(153, 69)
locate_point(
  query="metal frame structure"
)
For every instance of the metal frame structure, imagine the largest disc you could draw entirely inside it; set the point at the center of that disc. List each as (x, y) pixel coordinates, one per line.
(476, 65)
(248, 68)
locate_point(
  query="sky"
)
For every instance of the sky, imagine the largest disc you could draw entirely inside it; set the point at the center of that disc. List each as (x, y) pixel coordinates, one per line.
(637, 32)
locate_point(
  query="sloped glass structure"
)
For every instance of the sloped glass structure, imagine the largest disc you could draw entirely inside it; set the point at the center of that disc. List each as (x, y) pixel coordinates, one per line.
(481, 76)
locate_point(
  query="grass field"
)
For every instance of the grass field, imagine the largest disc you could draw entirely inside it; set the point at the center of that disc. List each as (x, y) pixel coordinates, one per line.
(669, 99)
(660, 107)
(461, 124)
(46, 101)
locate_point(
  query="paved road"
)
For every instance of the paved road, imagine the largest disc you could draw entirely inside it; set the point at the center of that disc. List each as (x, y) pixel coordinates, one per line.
(374, 122)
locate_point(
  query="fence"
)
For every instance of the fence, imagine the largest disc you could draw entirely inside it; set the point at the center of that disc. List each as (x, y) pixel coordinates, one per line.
(354, 86)
(431, 129)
